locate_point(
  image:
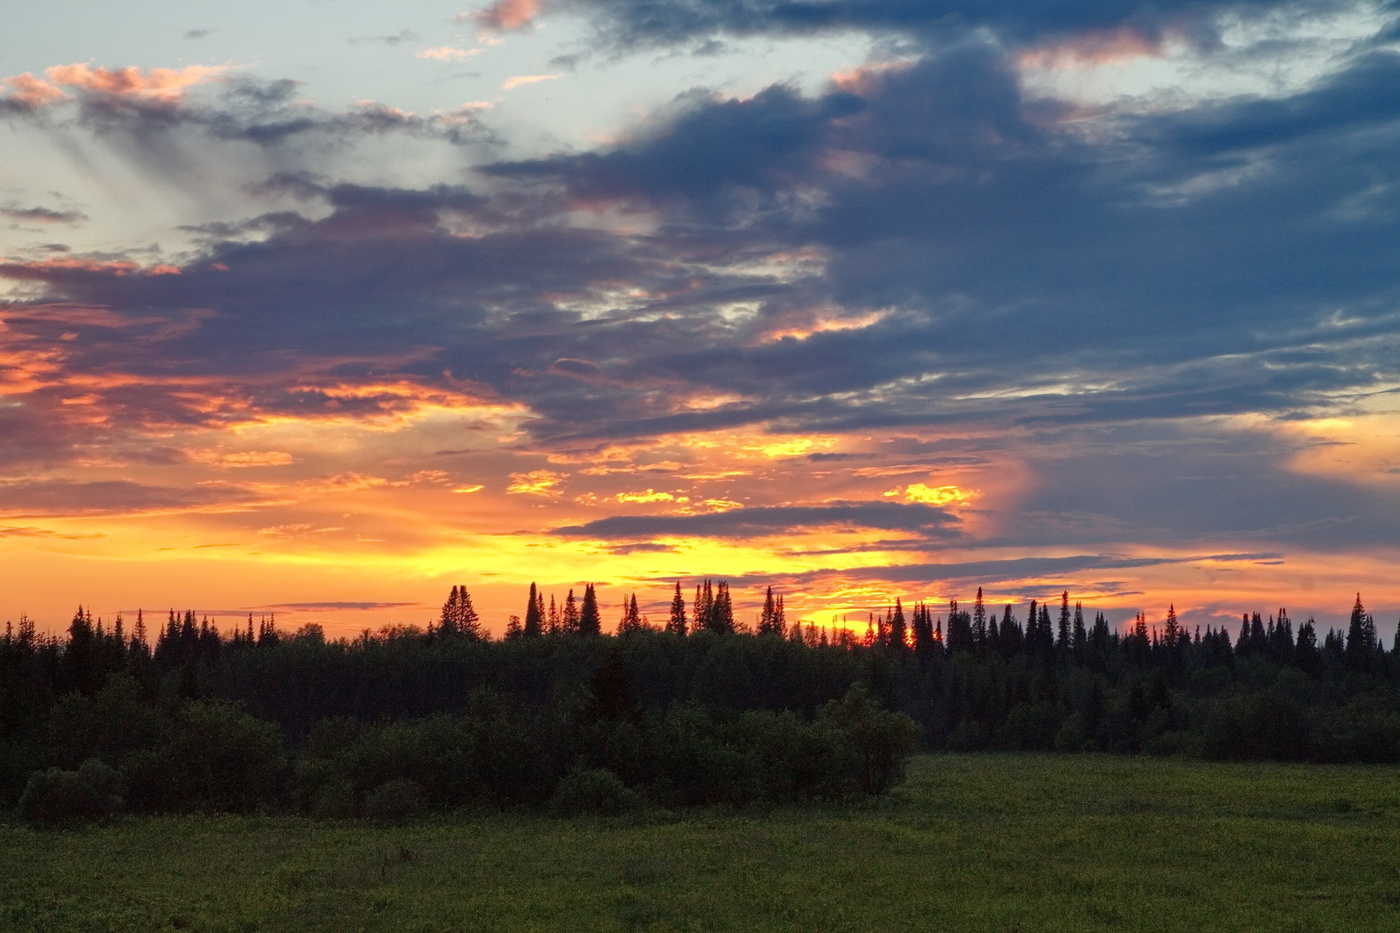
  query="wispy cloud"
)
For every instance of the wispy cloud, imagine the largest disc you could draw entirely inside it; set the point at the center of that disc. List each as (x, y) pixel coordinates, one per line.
(516, 81)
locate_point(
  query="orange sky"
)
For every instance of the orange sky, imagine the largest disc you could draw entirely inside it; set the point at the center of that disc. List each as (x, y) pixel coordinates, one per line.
(325, 317)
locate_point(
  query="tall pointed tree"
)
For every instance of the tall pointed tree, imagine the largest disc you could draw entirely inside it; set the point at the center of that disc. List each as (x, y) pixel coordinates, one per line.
(677, 623)
(590, 620)
(534, 615)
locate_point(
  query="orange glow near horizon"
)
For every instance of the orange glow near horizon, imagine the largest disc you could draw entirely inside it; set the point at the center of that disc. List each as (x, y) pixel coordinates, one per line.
(356, 524)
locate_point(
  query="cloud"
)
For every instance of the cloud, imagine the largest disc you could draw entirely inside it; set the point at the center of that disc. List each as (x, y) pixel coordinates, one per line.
(111, 497)
(42, 215)
(512, 83)
(18, 531)
(151, 116)
(152, 86)
(339, 606)
(446, 53)
(26, 94)
(765, 521)
(504, 16)
(398, 38)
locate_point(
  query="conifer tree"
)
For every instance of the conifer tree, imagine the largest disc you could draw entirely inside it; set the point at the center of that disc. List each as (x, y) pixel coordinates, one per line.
(533, 626)
(677, 623)
(721, 620)
(767, 617)
(569, 622)
(979, 621)
(898, 634)
(590, 619)
(1361, 639)
(459, 616)
(1062, 639)
(631, 617)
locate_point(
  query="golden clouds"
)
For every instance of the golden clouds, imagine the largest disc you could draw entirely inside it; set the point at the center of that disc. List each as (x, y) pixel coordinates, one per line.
(536, 483)
(934, 495)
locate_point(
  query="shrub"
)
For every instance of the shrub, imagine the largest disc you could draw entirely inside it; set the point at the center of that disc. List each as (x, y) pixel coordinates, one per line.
(396, 799)
(593, 790)
(880, 741)
(57, 796)
(217, 758)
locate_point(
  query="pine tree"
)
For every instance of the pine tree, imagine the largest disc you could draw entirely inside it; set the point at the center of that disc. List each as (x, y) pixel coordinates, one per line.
(677, 623)
(767, 617)
(590, 619)
(704, 607)
(979, 621)
(1360, 650)
(631, 617)
(898, 635)
(569, 622)
(721, 614)
(534, 615)
(459, 617)
(1063, 633)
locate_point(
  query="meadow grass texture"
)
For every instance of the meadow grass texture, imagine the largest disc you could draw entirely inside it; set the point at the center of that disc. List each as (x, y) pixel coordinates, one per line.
(970, 842)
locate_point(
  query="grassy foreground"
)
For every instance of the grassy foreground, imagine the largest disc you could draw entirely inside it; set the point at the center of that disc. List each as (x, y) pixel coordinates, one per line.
(979, 842)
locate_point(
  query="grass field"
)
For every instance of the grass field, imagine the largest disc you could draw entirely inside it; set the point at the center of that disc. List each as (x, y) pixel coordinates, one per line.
(980, 842)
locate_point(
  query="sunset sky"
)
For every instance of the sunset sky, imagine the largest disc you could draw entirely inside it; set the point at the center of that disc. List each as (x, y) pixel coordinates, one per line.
(321, 307)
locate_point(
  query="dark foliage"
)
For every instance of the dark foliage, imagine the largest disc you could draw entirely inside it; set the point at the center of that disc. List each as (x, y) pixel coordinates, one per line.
(698, 713)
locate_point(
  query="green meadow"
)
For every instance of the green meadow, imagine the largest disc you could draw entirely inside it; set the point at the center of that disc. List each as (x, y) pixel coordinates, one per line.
(969, 842)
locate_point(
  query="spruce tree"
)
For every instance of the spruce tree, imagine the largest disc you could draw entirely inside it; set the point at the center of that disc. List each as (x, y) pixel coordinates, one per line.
(1361, 639)
(768, 615)
(1063, 632)
(898, 637)
(534, 615)
(631, 617)
(676, 624)
(569, 622)
(590, 620)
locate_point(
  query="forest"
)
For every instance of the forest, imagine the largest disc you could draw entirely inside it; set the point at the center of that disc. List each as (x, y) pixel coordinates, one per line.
(700, 710)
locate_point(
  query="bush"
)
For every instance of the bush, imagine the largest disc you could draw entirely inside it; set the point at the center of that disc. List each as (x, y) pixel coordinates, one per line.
(396, 799)
(57, 796)
(879, 741)
(593, 790)
(217, 758)
(1250, 726)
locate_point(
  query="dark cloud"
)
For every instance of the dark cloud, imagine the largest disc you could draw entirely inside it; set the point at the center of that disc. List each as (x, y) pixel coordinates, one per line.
(985, 572)
(771, 520)
(69, 497)
(627, 23)
(169, 129)
(330, 606)
(24, 531)
(42, 215)
(398, 38)
(973, 260)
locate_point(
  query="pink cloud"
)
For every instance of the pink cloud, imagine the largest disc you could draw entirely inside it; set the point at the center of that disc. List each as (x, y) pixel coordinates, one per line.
(31, 92)
(1100, 47)
(512, 83)
(161, 85)
(505, 15)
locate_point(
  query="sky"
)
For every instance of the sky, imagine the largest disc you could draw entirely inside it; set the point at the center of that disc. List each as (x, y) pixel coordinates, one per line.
(319, 308)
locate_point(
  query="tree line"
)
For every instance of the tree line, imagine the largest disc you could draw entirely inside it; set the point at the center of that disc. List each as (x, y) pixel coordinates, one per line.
(698, 708)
